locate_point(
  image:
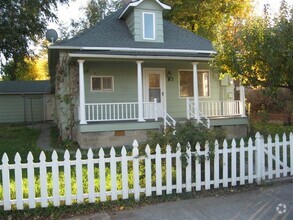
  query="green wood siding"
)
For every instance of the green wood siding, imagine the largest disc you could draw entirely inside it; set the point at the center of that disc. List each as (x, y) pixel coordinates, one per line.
(125, 81)
(136, 16)
(18, 108)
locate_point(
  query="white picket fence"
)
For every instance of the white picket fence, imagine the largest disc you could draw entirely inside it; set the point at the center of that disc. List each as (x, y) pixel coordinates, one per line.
(141, 174)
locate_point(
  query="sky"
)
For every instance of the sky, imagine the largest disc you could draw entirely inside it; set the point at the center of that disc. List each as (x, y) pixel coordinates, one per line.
(67, 12)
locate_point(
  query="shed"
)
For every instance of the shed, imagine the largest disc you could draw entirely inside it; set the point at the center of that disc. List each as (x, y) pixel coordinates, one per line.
(26, 101)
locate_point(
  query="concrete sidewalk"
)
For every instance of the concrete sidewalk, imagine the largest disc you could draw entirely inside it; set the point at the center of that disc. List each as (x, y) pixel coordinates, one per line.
(274, 202)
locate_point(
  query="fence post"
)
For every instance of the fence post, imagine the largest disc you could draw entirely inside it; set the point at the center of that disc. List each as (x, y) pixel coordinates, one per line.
(187, 108)
(258, 162)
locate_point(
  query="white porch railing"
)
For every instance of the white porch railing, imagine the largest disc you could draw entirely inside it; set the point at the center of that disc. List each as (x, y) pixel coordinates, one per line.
(192, 112)
(126, 111)
(217, 108)
(111, 111)
(220, 108)
(119, 111)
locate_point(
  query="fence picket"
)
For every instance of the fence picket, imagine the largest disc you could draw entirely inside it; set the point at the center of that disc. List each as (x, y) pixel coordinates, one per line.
(113, 170)
(43, 180)
(178, 170)
(148, 172)
(158, 171)
(31, 181)
(207, 173)
(135, 154)
(277, 155)
(18, 182)
(55, 179)
(67, 178)
(124, 171)
(188, 168)
(216, 165)
(233, 163)
(90, 176)
(250, 161)
(291, 152)
(197, 168)
(6, 182)
(270, 157)
(285, 168)
(242, 162)
(258, 160)
(168, 170)
(258, 156)
(79, 178)
(225, 164)
(102, 170)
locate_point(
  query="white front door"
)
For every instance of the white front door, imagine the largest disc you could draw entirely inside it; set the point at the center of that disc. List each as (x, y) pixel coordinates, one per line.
(154, 88)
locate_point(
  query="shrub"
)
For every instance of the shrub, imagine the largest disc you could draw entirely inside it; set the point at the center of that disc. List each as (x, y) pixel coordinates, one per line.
(189, 132)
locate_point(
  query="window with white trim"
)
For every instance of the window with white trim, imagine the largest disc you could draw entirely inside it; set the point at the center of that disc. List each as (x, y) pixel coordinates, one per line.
(102, 83)
(148, 26)
(186, 83)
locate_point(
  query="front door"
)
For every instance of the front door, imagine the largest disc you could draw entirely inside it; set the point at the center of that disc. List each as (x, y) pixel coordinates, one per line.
(154, 88)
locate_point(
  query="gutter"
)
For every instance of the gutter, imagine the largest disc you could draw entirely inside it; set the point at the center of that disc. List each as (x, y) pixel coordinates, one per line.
(82, 55)
(133, 49)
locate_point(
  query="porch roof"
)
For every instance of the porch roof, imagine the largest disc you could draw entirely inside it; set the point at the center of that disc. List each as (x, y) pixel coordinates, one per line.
(141, 55)
(113, 32)
(25, 87)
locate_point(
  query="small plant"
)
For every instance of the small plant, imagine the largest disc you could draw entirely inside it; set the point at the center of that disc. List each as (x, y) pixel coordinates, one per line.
(189, 132)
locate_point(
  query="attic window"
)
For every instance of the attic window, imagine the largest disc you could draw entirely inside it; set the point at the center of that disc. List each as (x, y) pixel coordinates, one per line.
(148, 26)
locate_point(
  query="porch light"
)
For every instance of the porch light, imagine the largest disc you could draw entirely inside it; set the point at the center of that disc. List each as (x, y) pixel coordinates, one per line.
(169, 76)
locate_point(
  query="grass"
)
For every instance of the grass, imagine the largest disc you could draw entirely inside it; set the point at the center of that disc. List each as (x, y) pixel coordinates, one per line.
(18, 138)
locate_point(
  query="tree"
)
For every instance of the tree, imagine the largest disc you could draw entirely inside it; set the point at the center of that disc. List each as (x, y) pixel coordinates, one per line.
(93, 12)
(204, 16)
(23, 22)
(34, 67)
(259, 51)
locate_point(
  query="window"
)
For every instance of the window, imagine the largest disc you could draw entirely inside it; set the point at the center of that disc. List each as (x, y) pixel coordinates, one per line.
(102, 83)
(148, 26)
(186, 83)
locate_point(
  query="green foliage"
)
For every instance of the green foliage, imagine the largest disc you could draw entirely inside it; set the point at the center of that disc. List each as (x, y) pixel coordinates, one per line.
(266, 129)
(28, 69)
(190, 132)
(201, 17)
(21, 23)
(258, 51)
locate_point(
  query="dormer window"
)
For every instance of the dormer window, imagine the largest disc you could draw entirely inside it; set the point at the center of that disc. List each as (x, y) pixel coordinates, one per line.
(148, 26)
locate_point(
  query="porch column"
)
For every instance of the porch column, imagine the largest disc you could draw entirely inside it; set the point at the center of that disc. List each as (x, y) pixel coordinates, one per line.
(81, 93)
(242, 99)
(139, 91)
(195, 91)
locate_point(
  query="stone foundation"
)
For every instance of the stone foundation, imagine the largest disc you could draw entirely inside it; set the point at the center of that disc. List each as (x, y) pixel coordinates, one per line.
(110, 138)
(235, 131)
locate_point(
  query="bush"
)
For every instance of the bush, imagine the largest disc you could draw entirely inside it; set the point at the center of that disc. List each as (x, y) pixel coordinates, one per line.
(189, 132)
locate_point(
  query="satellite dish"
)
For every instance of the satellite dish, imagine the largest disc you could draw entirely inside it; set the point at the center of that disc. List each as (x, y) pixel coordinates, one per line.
(51, 35)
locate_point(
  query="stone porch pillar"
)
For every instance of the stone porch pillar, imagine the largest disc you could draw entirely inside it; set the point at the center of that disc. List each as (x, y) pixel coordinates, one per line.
(82, 119)
(139, 91)
(195, 91)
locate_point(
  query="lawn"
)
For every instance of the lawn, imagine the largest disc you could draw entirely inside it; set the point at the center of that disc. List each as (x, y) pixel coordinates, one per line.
(18, 138)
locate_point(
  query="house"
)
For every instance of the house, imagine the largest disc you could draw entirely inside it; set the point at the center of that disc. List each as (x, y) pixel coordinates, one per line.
(133, 72)
(26, 101)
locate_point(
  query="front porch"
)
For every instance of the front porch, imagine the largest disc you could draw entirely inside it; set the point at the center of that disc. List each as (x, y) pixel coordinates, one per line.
(102, 113)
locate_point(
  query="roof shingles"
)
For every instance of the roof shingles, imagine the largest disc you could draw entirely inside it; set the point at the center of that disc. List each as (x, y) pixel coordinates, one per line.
(113, 32)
